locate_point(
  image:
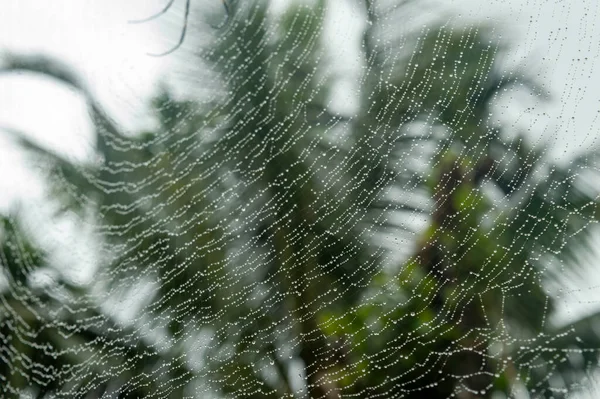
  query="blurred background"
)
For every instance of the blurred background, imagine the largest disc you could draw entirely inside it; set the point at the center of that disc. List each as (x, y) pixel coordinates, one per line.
(302, 199)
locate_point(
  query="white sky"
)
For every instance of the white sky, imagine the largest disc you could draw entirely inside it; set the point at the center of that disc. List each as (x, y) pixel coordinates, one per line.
(94, 37)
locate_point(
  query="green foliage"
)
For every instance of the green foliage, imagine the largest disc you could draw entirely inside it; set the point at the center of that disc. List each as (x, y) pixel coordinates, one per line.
(56, 341)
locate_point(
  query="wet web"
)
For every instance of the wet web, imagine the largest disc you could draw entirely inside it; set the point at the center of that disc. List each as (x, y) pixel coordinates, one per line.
(389, 221)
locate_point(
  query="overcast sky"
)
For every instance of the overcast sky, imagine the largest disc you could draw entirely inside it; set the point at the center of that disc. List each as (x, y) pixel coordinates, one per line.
(561, 37)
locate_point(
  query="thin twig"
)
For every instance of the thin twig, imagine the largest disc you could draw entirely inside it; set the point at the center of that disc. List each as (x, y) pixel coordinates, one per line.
(185, 23)
(183, 31)
(161, 12)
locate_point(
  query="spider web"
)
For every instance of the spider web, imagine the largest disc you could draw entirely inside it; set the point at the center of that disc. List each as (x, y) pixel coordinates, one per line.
(303, 220)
